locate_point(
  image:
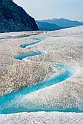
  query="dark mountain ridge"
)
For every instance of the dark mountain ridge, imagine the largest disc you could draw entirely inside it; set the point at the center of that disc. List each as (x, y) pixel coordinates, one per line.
(14, 18)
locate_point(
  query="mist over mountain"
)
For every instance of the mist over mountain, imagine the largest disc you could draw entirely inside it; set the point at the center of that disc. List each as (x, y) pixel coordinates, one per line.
(47, 26)
(62, 22)
(14, 18)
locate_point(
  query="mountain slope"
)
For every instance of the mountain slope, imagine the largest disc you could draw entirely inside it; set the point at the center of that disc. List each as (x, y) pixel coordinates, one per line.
(63, 22)
(47, 26)
(14, 18)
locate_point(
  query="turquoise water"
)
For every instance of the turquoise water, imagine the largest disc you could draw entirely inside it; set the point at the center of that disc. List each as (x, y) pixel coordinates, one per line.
(25, 55)
(29, 44)
(7, 102)
(32, 43)
(12, 103)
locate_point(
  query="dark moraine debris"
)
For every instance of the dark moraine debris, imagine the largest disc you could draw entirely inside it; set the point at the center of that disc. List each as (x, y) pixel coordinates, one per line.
(14, 18)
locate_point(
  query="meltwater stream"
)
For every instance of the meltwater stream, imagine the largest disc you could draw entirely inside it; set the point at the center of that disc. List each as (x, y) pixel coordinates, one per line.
(8, 103)
(32, 43)
(25, 55)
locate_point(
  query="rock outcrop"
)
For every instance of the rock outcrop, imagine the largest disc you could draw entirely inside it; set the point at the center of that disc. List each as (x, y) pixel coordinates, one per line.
(14, 18)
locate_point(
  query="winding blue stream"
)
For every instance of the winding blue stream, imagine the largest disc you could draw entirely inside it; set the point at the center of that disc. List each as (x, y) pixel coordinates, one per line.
(32, 43)
(25, 55)
(8, 102)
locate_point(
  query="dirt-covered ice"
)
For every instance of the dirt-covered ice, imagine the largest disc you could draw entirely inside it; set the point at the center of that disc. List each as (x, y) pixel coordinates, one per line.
(63, 46)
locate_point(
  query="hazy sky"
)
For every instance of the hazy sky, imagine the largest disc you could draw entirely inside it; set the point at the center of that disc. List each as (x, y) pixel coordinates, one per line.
(44, 9)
